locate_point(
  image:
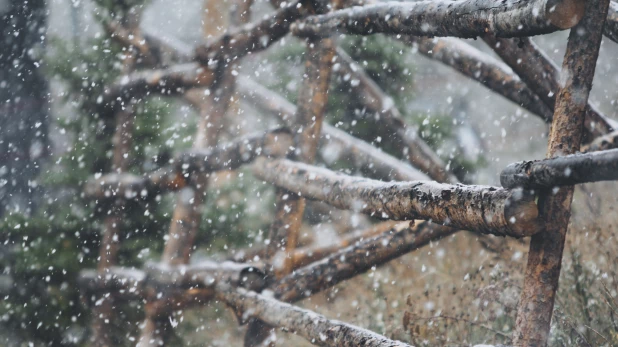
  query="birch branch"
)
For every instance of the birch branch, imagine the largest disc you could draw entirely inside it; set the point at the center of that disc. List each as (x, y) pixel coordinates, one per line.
(465, 19)
(357, 259)
(545, 256)
(476, 208)
(490, 72)
(562, 171)
(365, 157)
(542, 75)
(314, 327)
(419, 153)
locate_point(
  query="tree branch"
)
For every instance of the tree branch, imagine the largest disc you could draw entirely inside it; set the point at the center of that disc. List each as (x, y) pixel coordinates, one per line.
(357, 259)
(465, 19)
(365, 157)
(542, 75)
(312, 326)
(482, 68)
(476, 208)
(546, 248)
(419, 153)
(562, 171)
(608, 141)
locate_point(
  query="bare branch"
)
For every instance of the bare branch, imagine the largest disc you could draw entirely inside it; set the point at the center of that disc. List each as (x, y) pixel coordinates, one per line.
(546, 248)
(542, 75)
(483, 68)
(366, 158)
(419, 153)
(310, 325)
(357, 259)
(562, 171)
(229, 156)
(476, 208)
(465, 19)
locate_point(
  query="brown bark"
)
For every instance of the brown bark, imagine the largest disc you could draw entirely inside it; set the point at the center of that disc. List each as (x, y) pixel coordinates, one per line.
(356, 259)
(608, 141)
(312, 98)
(483, 68)
(312, 326)
(476, 208)
(541, 75)
(227, 156)
(562, 171)
(365, 157)
(465, 19)
(611, 25)
(545, 256)
(373, 97)
(253, 37)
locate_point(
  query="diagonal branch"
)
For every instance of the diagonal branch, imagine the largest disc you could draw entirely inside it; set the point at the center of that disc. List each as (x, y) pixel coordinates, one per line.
(542, 75)
(357, 259)
(482, 68)
(365, 157)
(310, 325)
(419, 153)
(562, 171)
(477, 208)
(465, 19)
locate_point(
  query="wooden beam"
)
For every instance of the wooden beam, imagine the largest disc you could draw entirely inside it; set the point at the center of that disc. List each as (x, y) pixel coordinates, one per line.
(545, 256)
(562, 171)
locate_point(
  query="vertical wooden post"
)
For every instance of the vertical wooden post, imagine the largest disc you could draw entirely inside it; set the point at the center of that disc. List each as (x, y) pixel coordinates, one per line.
(546, 248)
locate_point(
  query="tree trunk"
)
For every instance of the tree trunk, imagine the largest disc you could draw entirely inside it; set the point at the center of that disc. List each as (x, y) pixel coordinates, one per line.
(477, 208)
(545, 256)
(24, 113)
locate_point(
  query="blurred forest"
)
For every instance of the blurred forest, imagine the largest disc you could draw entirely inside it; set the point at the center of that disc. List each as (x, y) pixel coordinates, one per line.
(58, 59)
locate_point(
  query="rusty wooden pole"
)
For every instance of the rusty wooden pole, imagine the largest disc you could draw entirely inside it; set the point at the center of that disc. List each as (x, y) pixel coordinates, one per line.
(545, 256)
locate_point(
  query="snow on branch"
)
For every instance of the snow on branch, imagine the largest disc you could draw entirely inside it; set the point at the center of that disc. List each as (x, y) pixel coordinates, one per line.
(465, 19)
(477, 208)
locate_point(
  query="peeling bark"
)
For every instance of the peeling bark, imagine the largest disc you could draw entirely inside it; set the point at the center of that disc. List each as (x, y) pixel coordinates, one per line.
(314, 327)
(477, 208)
(562, 171)
(465, 19)
(372, 96)
(546, 248)
(490, 72)
(542, 75)
(357, 259)
(365, 157)
(227, 156)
